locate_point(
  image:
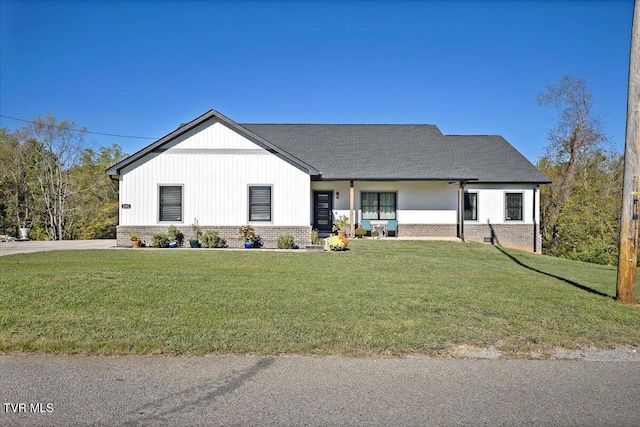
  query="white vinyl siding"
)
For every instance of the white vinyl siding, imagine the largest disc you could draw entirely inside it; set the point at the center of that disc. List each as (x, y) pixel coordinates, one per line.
(216, 166)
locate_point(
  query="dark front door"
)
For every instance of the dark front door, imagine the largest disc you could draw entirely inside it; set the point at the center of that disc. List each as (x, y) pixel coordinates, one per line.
(322, 208)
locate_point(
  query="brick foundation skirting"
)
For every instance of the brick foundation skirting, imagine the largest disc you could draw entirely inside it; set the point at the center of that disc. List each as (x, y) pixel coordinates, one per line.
(518, 236)
(269, 234)
(427, 230)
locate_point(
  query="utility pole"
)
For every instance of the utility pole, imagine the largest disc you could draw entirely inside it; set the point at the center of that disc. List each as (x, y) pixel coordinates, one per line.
(628, 257)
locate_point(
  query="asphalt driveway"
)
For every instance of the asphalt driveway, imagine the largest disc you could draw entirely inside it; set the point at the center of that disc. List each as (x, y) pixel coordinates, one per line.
(20, 247)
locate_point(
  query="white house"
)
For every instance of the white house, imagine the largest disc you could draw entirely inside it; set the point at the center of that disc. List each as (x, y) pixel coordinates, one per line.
(292, 178)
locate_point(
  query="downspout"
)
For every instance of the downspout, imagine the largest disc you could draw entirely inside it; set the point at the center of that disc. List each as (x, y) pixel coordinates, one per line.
(535, 224)
(461, 210)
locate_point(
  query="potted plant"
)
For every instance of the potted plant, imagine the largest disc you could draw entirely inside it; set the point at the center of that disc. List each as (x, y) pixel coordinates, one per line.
(360, 232)
(340, 226)
(196, 232)
(247, 234)
(135, 240)
(176, 235)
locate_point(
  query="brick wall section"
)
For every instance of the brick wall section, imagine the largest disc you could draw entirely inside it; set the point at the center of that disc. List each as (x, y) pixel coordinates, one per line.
(427, 230)
(517, 236)
(269, 234)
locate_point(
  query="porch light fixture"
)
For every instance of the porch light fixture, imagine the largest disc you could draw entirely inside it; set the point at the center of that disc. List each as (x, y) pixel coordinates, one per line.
(337, 194)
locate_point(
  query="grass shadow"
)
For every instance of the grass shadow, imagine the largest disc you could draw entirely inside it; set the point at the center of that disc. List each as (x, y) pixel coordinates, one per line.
(563, 279)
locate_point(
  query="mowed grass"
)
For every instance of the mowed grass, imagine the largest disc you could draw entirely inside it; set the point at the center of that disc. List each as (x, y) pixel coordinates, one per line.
(381, 297)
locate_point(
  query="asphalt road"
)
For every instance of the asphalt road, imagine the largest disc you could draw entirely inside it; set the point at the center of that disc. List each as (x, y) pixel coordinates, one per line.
(315, 391)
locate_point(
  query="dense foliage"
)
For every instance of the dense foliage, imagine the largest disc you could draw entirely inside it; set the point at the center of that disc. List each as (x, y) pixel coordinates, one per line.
(54, 184)
(581, 208)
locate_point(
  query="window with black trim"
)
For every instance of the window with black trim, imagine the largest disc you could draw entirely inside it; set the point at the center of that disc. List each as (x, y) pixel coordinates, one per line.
(470, 206)
(513, 206)
(170, 197)
(260, 203)
(378, 205)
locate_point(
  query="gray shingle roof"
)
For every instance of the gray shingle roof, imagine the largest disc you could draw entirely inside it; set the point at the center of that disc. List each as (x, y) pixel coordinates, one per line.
(399, 152)
(375, 152)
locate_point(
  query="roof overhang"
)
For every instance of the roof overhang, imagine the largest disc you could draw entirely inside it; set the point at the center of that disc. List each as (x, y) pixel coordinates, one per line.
(116, 169)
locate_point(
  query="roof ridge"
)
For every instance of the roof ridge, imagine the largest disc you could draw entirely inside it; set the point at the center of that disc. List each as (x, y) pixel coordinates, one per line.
(342, 124)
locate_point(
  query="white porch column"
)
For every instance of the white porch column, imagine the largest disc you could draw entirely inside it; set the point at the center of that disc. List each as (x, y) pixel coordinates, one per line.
(352, 231)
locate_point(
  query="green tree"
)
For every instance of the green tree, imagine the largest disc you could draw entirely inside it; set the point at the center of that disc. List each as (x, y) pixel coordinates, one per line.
(580, 209)
(18, 202)
(95, 195)
(54, 184)
(61, 145)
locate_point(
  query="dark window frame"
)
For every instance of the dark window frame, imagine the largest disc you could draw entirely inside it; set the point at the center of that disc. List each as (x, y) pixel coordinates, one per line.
(163, 215)
(467, 202)
(508, 210)
(378, 205)
(254, 206)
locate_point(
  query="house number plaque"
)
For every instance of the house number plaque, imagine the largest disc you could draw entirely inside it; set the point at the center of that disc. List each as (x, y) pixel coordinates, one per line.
(126, 206)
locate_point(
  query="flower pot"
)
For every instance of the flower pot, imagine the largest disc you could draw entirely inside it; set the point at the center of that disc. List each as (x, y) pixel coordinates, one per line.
(342, 234)
(248, 245)
(135, 243)
(193, 243)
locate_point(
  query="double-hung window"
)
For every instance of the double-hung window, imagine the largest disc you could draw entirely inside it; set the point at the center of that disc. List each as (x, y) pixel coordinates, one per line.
(378, 205)
(470, 206)
(513, 206)
(170, 197)
(260, 203)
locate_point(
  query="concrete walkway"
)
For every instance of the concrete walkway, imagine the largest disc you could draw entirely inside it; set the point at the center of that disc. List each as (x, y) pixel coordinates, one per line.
(23, 247)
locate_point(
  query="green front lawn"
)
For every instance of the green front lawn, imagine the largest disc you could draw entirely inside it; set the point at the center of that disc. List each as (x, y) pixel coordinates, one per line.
(381, 297)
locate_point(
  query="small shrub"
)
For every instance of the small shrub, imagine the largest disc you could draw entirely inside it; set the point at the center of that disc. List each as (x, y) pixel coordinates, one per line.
(285, 242)
(175, 235)
(375, 234)
(160, 240)
(212, 239)
(360, 231)
(247, 233)
(315, 240)
(341, 223)
(336, 243)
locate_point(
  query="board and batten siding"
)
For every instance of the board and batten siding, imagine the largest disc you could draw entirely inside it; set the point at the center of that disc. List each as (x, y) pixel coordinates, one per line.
(215, 167)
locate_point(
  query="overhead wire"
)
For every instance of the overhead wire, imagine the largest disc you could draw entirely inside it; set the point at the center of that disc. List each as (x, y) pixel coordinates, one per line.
(85, 131)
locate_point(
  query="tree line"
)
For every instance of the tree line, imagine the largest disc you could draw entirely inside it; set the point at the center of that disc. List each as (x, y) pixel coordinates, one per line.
(580, 210)
(54, 184)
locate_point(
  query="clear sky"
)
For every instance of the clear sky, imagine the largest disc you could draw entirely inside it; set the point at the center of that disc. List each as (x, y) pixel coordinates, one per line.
(141, 68)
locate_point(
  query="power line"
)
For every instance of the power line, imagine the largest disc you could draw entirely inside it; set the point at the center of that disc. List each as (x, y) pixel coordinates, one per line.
(85, 131)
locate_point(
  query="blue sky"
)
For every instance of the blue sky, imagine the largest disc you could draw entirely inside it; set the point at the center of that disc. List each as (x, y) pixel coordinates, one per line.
(141, 68)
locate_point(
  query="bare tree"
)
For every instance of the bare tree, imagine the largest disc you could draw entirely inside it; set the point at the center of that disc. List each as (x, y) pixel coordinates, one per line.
(576, 135)
(61, 146)
(577, 131)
